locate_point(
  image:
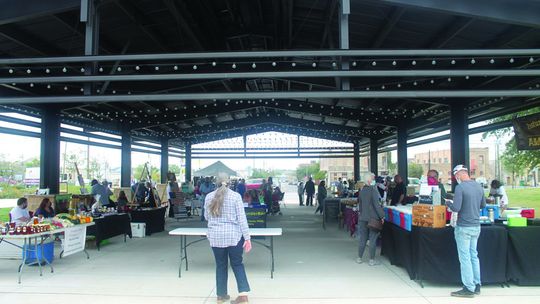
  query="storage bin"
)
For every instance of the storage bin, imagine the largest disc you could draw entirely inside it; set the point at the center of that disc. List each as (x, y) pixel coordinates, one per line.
(138, 230)
(517, 222)
(390, 215)
(408, 222)
(402, 220)
(528, 213)
(45, 251)
(396, 218)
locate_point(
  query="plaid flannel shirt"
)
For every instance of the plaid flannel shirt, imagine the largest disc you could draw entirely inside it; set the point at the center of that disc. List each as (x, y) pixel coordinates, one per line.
(227, 229)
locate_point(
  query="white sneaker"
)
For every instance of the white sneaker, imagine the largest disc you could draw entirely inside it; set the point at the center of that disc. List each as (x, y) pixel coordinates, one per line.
(374, 263)
(359, 260)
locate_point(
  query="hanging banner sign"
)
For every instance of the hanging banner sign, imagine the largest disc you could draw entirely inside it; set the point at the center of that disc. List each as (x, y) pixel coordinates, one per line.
(527, 130)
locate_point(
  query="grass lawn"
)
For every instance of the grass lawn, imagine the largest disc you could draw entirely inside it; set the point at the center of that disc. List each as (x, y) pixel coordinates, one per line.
(524, 197)
(4, 214)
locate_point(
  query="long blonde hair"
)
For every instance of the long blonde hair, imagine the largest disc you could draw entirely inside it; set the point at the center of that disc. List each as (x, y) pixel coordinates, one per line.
(219, 197)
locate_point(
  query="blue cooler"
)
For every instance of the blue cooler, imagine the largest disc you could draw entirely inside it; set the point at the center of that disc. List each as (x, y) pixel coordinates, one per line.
(45, 251)
(496, 211)
(397, 220)
(408, 222)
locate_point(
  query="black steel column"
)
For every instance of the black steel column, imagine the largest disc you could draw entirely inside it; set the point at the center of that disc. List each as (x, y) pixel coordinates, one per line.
(374, 156)
(402, 152)
(125, 169)
(188, 161)
(49, 176)
(344, 12)
(459, 136)
(356, 162)
(90, 17)
(164, 159)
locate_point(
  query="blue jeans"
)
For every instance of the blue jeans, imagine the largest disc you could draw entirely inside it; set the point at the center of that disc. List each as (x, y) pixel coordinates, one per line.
(466, 241)
(222, 255)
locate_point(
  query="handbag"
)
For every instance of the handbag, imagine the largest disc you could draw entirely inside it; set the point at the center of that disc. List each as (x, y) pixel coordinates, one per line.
(375, 224)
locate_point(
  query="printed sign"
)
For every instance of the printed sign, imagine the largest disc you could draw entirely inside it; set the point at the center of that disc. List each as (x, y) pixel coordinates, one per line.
(256, 217)
(74, 240)
(527, 130)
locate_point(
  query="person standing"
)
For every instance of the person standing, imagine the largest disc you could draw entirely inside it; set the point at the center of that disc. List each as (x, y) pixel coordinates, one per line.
(497, 190)
(301, 193)
(339, 187)
(99, 189)
(241, 187)
(228, 234)
(321, 196)
(369, 208)
(206, 188)
(399, 191)
(468, 200)
(310, 191)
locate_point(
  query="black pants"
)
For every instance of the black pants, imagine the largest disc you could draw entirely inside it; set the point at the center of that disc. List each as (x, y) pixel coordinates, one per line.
(320, 207)
(301, 199)
(309, 200)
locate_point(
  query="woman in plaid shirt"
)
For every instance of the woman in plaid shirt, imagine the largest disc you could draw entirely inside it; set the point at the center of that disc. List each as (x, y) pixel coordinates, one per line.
(228, 234)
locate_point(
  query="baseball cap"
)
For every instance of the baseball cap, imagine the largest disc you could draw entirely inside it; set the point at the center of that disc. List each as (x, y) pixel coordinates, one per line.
(459, 168)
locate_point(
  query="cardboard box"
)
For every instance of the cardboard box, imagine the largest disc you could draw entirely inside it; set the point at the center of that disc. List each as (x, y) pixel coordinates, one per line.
(138, 230)
(433, 216)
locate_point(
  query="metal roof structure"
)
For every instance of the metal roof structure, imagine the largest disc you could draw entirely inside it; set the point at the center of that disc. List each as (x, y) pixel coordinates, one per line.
(198, 71)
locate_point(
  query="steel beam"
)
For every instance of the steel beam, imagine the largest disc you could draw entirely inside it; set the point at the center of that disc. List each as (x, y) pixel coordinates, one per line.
(271, 95)
(19, 10)
(374, 156)
(289, 74)
(164, 168)
(519, 12)
(188, 162)
(50, 151)
(277, 54)
(125, 167)
(403, 169)
(459, 137)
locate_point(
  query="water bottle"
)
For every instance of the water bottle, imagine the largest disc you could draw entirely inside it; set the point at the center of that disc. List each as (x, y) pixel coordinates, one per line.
(491, 215)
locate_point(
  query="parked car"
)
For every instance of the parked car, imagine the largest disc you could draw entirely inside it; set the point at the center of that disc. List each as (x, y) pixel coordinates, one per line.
(482, 181)
(254, 184)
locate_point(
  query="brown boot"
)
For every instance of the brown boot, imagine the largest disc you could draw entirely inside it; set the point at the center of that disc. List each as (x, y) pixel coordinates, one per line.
(240, 300)
(221, 300)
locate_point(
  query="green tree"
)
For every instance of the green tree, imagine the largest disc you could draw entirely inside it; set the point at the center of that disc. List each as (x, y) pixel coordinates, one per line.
(518, 162)
(312, 169)
(415, 170)
(175, 169)
(137, 172)
(262, 173)
(392, 167)
(31, 163)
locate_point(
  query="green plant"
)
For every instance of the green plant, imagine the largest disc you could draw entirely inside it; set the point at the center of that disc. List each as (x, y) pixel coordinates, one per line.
(415, 170)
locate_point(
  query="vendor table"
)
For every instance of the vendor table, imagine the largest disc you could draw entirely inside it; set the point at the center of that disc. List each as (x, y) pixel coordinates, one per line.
(523, 252)
(37, 239)
(330, 210)
(201, 232)
(431, 254)
(153, 218)
(110, 226)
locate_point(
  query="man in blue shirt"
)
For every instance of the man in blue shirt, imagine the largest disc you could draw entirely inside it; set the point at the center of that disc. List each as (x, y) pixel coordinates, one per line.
(206, 188)
(468, 200)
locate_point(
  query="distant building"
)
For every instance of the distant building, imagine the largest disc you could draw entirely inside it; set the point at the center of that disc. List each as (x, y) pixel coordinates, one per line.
(344, 167)
(479, 165)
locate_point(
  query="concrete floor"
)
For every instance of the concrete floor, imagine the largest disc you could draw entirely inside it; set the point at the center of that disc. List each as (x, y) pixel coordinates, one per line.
(312, 266)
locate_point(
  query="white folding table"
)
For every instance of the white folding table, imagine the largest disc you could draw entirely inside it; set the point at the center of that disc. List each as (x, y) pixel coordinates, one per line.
(183, 233)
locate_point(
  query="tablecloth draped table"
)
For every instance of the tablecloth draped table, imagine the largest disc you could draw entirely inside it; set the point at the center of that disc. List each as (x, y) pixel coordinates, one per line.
(431, 254)
(523, 252)
(110, 226)
(153, 218)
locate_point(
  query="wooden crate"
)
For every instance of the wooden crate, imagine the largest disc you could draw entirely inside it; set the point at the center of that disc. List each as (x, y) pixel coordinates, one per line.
(433, 216)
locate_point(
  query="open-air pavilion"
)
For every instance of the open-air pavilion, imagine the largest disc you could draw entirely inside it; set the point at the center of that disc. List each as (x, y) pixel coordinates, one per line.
(373, 74)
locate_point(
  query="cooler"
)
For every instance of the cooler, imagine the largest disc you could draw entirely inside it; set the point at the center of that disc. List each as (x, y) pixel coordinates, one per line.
(495, 208)
(408, 222)
(402, 220)
(45, 251)
(527, 213)
(396, 218)
(517, 222)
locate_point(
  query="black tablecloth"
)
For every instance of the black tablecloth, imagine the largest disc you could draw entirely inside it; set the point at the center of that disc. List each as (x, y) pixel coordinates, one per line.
(110, 226)
(523, 250)
(431, 254)
(153, 218)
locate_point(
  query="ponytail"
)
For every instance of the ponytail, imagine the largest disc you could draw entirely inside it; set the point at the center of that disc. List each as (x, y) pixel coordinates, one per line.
(217, 201)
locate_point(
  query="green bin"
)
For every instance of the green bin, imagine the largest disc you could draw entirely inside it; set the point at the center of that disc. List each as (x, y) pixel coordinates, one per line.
(517, 222)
